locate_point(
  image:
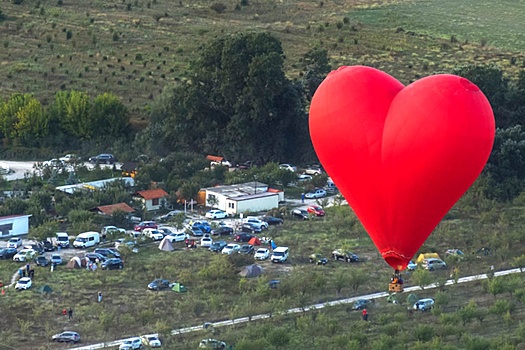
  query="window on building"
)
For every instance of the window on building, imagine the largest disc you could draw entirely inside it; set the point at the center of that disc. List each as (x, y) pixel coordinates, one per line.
(4, 229)
(231, 205)
(155, 201)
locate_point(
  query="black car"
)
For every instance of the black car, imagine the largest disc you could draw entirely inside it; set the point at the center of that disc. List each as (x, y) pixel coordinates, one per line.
(246, 249)
(103, 158)
(37, 247)
(94, 256)
(300, 214)
(113, 264)
(42, 261)
(68, 337)
(361, 304)
(251, 228)
(107, 252)
(48, 246)
(7, 253)
(217, 246)
(159, 284)
(271, 220)
(222, 231)
(318, 259)
(243, 237)
(344, 256)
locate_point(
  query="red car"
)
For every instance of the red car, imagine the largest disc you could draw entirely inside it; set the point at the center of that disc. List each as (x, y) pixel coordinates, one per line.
(316, 210)
(145, 224)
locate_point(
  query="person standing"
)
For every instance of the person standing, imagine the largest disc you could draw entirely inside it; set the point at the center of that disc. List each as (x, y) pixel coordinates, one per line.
(302, 197)
(365, 315)
(70, 313)
(99, 296)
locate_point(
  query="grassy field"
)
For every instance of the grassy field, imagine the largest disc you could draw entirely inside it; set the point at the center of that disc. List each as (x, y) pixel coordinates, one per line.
(135, 48)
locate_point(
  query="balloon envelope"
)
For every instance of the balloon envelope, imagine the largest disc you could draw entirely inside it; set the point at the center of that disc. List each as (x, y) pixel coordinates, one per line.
(401, 156)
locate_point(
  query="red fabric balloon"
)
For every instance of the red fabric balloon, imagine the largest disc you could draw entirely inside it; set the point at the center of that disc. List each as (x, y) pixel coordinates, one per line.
(401, 156)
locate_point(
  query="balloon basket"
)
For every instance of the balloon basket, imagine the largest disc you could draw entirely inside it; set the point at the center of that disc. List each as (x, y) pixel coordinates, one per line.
(395, 287)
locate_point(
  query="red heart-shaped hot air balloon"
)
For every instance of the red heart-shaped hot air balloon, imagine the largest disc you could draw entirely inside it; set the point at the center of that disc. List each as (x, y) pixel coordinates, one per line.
(401, 156)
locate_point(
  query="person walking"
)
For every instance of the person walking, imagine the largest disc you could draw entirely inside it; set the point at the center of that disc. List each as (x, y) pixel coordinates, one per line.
(70, 313)
(99, 296)
(365, 315)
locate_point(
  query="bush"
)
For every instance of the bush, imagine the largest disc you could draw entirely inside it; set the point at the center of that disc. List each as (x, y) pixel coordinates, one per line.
(218, 7)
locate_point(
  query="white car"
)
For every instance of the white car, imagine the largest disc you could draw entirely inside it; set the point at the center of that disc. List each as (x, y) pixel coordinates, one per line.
(131, 343)
(151, 340)
(287, 167)
(112, 229)
(152, 233)
(177, 237)
(432, 264)
(14, 242)
(231, 248)
(216, 214)
(262, 254)
(206, 242)
(305, 177)
(69, 158)
(424, 304)
(24, 255)
(54, 163)
(212, 344)
(320, 193)
(24, 283)
(256, 221)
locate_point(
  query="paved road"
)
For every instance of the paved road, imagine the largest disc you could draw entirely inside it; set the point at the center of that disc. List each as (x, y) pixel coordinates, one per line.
(299, 310)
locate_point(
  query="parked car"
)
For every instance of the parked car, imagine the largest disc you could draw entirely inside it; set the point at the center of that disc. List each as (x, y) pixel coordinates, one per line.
(48, 246)
(14, 242)
(318, 193)
(318, 259)
(202, 225)
(411, 265)
(23, 283)
(107, 252)
(112, 229)
(158, 284)
(216, 214)
(251, 228)
(37, 247)
(69, 158)
(54, 163)
(287, 167)
(131, 343)
(313, 170)
(104, 158)
(42, 261)
(62, 239)
(432, 264)
(93, 257)
(271, 220)
(24, 255)
(153, 234)
(300, 214)
(212, 344)
(246, 249)
(168, 215)
(195, 231)
(217, 246)
(222, 231)
(245, 165)
(123, 242)
(342, 255)
(456, 253)
(256, 222)
(177, 237)
(262, 254)
(8, 253)
(206, 242)
(56, 259)
(361, 304)
(112, 264)
(316, 210)
(66, 337)
(424, 304)
(151, 340)
(145, 224)
(243, 237)
(231, 248)
(304, 177)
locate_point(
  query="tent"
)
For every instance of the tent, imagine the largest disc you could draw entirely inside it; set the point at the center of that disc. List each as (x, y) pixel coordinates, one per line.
(251, 271)
(412, 299)
(177, 287)
(272, 244)
(166, 245)
(424, 256)
(254, 241)
(74, 263)
(45, 289)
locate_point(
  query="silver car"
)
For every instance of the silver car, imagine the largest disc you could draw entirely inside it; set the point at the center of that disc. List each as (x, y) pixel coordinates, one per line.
(432, 264)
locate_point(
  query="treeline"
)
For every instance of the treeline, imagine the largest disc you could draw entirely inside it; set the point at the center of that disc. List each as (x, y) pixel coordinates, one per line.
(72, 118)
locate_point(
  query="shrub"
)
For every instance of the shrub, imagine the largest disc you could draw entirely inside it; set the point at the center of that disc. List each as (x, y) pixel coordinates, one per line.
(218, 7)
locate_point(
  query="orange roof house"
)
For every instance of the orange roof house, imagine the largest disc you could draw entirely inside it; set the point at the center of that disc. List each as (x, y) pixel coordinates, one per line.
(109, 209)
(152, 199)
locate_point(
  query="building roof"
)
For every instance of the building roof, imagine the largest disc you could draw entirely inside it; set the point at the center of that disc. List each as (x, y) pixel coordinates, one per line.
(214, 158)
(14, 216)
(274, 190)
(239, 190)
(253, 196)
(109, 209)
(152, 194)
(93, 185)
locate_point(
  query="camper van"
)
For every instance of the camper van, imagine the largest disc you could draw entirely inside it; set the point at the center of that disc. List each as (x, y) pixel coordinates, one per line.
(279, 255)
(62, 240)
(87, 239)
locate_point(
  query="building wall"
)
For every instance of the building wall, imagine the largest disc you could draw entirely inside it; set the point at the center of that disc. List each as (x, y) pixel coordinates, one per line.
(257, 204)
(222, 201)
(150, 206)
(14, 226)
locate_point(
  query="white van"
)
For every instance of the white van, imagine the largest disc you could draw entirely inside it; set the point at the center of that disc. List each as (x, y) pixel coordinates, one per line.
(62, 240)
(279, 255)
(87, 239)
